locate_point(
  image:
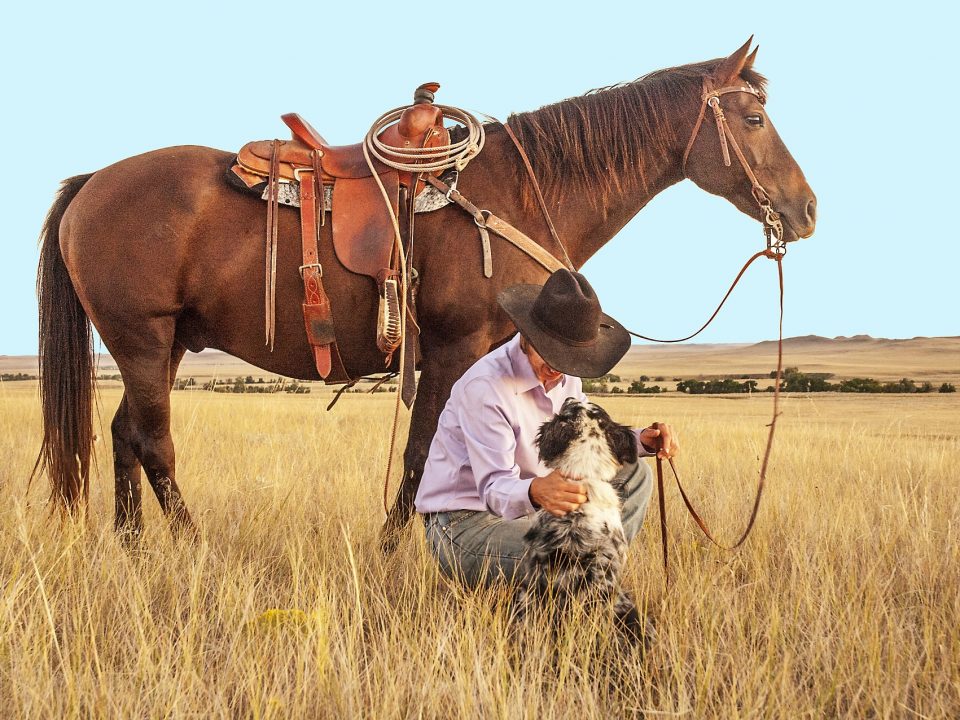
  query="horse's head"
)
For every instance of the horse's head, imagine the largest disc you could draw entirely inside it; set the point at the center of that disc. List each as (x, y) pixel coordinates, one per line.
(739, 106)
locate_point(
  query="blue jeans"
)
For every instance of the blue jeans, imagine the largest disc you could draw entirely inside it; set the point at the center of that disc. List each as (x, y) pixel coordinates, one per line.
(479, 548)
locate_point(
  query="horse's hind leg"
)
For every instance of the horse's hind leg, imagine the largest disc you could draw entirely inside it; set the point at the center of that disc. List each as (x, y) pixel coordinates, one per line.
(126, 465)
(148, 375)
(126, 473)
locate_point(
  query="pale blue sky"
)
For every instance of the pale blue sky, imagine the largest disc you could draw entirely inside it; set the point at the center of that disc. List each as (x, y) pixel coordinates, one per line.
(865, 98)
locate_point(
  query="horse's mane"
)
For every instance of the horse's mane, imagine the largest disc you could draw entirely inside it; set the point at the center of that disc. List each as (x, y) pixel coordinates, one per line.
(605, 140)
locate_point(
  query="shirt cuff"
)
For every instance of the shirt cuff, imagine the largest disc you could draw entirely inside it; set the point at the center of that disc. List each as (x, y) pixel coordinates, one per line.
(641, 450)
(518, 501)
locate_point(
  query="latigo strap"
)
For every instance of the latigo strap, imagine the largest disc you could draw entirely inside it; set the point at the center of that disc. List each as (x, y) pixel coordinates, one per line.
(317, 315)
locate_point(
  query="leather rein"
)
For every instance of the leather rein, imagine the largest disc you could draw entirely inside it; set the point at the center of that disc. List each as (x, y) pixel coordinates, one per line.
(775, 250)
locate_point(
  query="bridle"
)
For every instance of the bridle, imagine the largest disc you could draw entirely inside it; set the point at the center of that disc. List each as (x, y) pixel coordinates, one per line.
(775, 250)
(772, 224)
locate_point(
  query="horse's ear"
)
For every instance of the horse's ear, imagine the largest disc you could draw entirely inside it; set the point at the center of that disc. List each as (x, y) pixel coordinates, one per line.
(729, 69)
(748, 63)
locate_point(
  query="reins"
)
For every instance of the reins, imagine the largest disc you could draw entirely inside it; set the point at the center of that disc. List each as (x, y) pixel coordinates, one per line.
(778, 258)
(775, 250)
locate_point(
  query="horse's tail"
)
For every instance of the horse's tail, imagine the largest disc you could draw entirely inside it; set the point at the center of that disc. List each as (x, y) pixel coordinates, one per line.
(67, 371)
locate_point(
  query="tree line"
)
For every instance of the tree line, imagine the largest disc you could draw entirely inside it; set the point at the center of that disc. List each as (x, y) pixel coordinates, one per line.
(244, 385)
(792, 381)
(795, 381)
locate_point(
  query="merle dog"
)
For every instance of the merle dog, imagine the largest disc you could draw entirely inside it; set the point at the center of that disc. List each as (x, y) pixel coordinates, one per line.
(582, 553)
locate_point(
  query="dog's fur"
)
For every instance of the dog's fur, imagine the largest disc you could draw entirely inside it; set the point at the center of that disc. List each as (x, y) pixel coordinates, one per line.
(582, 553)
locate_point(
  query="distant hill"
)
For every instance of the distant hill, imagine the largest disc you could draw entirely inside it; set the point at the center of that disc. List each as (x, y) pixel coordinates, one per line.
(936, 359)
(920, 358)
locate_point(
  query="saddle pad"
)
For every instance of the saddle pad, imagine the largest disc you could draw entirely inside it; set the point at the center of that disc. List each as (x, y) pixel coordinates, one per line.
(428, 200)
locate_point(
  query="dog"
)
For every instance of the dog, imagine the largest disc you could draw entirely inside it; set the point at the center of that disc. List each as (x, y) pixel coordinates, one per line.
(581, 554)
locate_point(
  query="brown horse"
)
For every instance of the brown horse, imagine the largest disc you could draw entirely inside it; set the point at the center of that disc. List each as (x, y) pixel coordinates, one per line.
(163, 257)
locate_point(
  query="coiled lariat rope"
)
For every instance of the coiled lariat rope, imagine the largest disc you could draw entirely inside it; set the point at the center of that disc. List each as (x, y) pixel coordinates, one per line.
(425, 159)
(415, 160)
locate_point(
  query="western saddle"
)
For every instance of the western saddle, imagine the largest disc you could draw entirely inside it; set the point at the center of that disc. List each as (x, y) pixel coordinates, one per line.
(364, 197)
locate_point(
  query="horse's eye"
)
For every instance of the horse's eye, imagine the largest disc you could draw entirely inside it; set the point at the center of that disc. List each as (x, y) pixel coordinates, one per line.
(755, 120)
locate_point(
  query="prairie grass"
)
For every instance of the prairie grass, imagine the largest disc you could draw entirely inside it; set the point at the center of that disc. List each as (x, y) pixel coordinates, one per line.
(843, 603)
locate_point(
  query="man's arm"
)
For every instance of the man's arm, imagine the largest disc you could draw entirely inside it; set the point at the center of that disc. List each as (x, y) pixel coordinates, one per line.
(491, 447)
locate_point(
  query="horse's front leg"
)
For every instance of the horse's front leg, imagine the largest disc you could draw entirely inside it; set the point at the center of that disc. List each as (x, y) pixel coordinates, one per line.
(441, 366)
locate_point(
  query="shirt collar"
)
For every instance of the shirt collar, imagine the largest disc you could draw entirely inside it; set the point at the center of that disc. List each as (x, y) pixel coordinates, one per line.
(524, 377)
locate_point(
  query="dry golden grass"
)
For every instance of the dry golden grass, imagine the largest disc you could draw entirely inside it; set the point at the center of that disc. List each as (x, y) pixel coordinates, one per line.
(843, 603)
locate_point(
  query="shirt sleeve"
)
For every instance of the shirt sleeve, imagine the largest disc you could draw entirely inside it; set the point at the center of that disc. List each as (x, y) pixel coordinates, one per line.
(491, 447)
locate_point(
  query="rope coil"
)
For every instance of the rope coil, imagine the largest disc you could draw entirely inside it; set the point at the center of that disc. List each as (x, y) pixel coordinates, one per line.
(427, 159)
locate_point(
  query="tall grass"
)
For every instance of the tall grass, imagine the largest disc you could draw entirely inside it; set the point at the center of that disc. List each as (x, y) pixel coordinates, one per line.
(843, 603)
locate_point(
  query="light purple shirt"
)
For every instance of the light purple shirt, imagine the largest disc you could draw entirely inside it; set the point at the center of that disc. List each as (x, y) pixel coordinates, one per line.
(484, 455)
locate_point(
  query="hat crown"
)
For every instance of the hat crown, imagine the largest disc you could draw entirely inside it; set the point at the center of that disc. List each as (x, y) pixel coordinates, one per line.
(568, 308)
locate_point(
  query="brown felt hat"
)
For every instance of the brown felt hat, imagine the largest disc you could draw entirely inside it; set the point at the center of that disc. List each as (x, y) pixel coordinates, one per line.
(563, 321)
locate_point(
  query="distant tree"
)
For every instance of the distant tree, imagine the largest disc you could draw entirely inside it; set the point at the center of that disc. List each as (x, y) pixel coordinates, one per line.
(715, 387)
(947, 388)
(616, 389)
(786, 372)
(860, 385)
(238, 386)
(595, 386)
(904, 385)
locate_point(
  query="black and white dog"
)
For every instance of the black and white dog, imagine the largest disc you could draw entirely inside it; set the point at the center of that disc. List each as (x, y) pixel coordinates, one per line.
(582, 553)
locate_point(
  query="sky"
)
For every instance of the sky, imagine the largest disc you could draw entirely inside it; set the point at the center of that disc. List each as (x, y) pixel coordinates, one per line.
(863, 94)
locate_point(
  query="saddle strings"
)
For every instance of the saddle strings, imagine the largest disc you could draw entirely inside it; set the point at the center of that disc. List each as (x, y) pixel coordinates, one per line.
(415, 160)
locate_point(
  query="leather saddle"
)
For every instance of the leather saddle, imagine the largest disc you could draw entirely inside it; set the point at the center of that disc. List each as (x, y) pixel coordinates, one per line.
(362, 227)
(362, 220)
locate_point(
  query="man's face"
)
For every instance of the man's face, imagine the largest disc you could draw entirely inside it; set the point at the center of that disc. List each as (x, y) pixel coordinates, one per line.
(547, 376)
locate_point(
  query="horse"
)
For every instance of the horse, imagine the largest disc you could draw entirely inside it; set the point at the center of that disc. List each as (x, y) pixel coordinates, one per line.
(162, 256)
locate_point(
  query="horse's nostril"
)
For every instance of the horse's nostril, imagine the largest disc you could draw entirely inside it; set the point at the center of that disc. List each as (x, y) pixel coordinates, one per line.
(812, 210)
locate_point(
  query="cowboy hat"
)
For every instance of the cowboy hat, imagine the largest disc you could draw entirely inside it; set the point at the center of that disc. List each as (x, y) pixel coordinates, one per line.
(563, 321)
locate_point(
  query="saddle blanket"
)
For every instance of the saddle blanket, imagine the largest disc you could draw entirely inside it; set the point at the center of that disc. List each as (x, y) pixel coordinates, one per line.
(428, 200)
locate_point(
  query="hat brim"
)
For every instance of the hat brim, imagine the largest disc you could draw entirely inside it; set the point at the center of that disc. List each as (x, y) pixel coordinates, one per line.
(589, 361)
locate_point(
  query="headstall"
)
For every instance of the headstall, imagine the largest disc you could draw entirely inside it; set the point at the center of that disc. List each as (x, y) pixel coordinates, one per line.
(772, 224)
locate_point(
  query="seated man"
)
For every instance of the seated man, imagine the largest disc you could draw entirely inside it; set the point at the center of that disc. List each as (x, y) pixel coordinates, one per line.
(483, 479)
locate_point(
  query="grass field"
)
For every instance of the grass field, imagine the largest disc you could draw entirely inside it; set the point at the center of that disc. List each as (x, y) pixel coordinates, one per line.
(843, 603)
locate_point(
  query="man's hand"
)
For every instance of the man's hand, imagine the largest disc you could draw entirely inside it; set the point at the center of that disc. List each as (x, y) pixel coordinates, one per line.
(557, 495)
(662, 438)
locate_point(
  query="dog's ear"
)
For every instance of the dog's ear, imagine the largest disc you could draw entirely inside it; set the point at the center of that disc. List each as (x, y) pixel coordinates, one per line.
(554, 437)
(623, 443)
